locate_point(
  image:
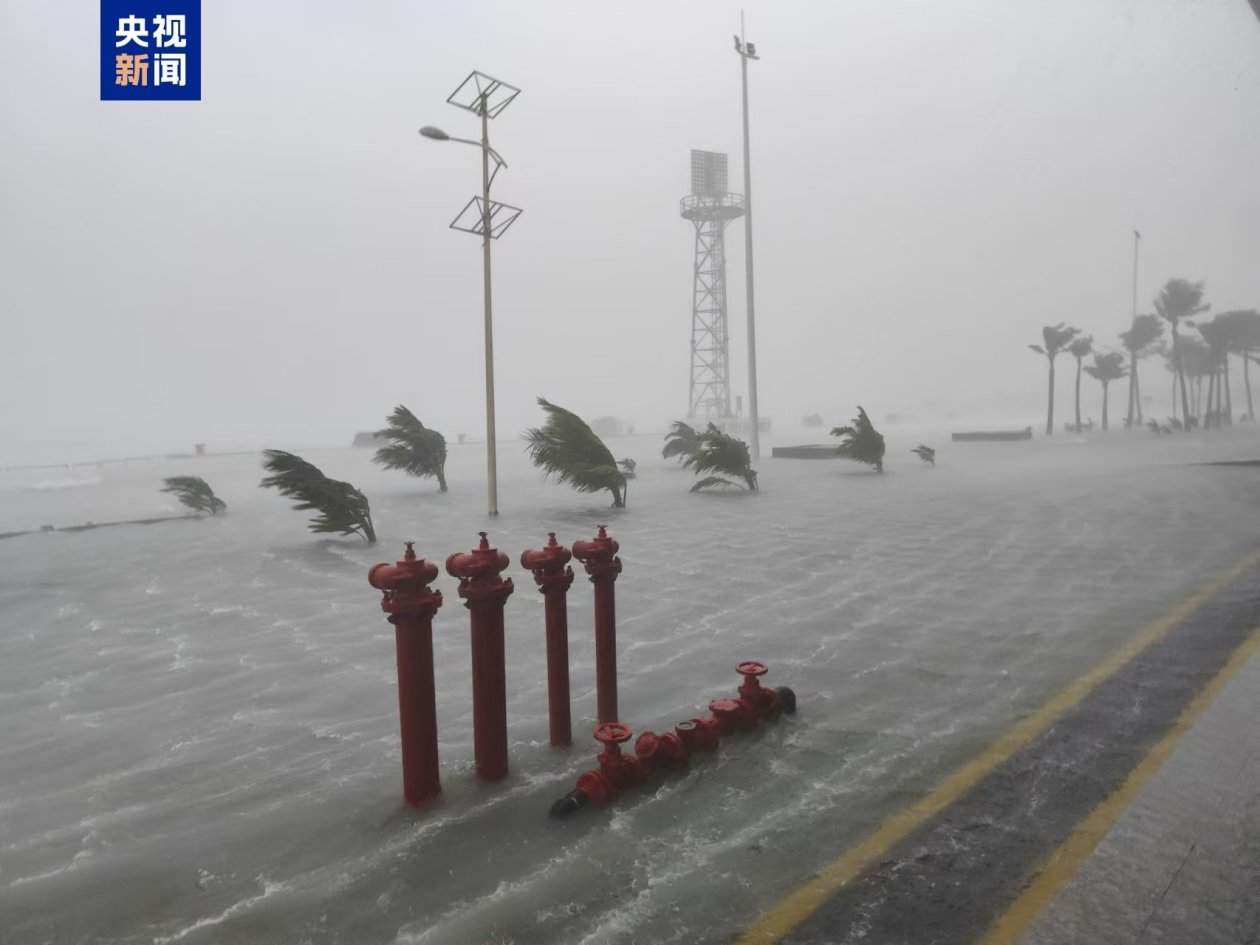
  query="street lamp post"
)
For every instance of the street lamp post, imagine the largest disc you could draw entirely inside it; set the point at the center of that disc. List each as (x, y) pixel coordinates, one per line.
(749, 51)
(487, 97)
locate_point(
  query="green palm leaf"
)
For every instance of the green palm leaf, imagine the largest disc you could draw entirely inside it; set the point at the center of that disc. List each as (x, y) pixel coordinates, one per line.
(414, 448)
(194, 492)
(719, 452)
(861, 442)
(565, 447)
(682, 440)
(342, 508)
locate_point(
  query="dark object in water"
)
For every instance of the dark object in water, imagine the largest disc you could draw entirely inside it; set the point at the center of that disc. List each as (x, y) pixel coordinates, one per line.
(993, 436)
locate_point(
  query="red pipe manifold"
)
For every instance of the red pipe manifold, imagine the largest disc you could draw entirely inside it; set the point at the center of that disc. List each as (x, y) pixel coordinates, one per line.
(619, 771)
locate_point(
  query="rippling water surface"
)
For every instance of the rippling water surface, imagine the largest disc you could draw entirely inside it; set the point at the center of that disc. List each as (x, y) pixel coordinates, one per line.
(200, 717)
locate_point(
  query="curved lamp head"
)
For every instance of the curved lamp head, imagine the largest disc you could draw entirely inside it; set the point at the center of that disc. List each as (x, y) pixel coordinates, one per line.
(437, 134)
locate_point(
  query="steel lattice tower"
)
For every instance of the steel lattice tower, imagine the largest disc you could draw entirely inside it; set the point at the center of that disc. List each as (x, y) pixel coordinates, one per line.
(710, 208)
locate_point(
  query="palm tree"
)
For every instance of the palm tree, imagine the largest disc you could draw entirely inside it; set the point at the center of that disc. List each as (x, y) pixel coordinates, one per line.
(1244, 340)
(682, 440)
(1107, 367)
(342, 508)
(925, 453)
(1193, 362)
(1079, 348)
(1179, 299)
(415, 448)
(1055, 338)
(720, 452)
(1217, 333)
(1142, 339)
(862, 442)
(565, 447)
(194, 492)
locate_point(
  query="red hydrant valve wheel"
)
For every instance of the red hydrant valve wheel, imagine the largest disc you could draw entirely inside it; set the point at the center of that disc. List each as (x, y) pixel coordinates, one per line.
(612, 733)
(752, 668)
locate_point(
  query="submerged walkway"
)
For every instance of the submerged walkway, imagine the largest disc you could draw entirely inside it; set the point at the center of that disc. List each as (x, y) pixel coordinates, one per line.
(1125, 809)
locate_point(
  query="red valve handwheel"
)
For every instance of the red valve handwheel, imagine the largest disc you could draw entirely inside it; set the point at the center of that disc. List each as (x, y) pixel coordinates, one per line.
(752, 668)
(612, 733)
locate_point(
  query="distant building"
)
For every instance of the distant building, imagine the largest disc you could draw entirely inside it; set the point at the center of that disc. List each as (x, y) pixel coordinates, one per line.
(369, 440)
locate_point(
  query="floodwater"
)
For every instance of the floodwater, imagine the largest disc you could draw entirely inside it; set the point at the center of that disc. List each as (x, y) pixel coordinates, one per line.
(200, 718)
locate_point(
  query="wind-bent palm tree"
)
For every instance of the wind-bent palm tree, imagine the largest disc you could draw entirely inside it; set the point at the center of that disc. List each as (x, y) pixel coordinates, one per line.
(682, 441)
(194, 492)
(342, 508)
(861, 443)
(719, 452)
(1142, 339)
(1055, 338)
(1244, 333)
(1180, 299)
(1079, 348)
(1107, 367)
(565, 447)
(414, 448)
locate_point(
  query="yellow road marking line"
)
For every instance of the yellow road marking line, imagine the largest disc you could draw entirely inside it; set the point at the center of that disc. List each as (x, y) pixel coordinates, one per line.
(1062, 865)
(797, 906)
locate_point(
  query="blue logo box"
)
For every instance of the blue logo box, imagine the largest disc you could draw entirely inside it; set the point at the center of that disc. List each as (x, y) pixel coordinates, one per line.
(151, 51)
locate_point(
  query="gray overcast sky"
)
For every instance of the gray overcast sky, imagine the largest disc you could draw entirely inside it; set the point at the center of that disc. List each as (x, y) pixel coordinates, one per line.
(933, 181)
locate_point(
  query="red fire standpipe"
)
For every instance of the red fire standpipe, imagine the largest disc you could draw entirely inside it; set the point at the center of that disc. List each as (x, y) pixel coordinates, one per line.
(411, 604)
(553, 576)
(485, 594)
(673, 750)
(602, 564)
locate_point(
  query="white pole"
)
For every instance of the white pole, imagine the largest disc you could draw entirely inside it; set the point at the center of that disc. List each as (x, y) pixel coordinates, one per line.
(748, 257)
(492, 478)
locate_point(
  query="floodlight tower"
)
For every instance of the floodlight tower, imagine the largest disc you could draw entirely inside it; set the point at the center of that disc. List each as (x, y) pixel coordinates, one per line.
(710, 208)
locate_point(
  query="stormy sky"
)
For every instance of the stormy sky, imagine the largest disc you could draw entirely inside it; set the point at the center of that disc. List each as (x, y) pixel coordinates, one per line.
(932, 181)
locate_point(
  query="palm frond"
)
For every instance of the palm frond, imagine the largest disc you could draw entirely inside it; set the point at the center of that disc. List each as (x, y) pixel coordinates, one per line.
(714, 481)
(1178, 299)
(414, 448)
(720, 452)
(340, 506)
(1145, 332)
(861, 442)
(195, 493)
(925, 453)
(567, 448)
(682, 440)
(1107, 367)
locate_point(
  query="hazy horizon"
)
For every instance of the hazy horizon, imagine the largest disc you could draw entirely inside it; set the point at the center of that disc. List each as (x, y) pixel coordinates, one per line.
(272, 266)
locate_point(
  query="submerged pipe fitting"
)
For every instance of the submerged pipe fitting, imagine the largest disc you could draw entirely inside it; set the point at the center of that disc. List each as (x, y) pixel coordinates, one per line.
(618, 771)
